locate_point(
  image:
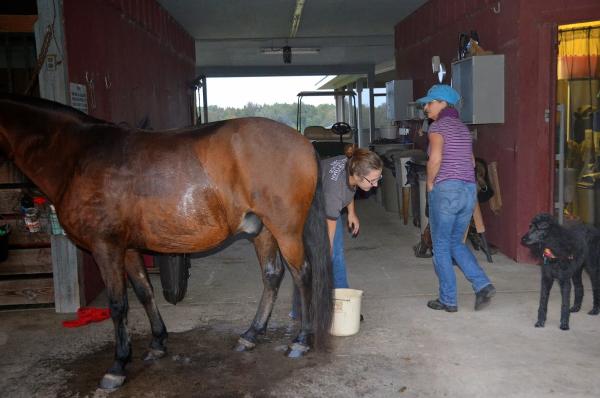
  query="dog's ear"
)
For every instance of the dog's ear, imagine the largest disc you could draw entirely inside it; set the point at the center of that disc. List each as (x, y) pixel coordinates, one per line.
(543, 221)
(543, 225)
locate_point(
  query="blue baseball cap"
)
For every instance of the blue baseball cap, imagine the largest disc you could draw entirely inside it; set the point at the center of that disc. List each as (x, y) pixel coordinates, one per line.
(441, 92)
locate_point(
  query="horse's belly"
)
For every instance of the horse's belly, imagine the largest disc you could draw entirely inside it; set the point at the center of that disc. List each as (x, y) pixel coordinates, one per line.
(182, 239)
(188, 222)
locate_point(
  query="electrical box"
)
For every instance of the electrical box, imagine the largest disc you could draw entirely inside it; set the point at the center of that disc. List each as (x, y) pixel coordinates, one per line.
(398, 93)
(480, 82)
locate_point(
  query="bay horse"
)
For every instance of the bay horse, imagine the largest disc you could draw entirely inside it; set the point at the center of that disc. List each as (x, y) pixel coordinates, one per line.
(118, 191)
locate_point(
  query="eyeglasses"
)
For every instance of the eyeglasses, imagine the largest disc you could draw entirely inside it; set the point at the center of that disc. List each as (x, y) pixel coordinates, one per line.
(374, 182)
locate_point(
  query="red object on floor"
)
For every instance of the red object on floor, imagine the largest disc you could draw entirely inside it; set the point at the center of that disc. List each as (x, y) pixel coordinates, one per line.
(87, 315)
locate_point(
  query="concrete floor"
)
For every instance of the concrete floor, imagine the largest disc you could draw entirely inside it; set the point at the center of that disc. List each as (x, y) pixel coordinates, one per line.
(403, 348)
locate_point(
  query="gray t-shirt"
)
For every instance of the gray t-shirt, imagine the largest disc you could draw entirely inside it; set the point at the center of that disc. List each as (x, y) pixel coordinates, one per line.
(336, 187)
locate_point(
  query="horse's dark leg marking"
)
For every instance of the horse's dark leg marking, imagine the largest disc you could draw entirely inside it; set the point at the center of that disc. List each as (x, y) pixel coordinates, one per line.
(272, 269)
(303, 341)
(142, 287)
(110, 260)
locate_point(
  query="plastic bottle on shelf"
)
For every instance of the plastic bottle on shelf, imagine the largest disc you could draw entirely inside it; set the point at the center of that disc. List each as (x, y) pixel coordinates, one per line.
(55, 227)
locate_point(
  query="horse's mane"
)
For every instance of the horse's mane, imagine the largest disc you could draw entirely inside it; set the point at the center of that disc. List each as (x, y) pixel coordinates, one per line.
(52, 106)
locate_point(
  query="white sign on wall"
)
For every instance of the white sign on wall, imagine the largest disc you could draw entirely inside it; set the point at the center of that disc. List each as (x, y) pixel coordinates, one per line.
(78, 94)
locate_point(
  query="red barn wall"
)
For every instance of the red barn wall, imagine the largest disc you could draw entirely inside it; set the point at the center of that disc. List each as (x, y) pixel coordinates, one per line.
(139, 60)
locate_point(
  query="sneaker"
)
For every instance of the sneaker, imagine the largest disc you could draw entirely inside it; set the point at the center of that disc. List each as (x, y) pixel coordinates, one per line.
(483, 297)
(438, 305)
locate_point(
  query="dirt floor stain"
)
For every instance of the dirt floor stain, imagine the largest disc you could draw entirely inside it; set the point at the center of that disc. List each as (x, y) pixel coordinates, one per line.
(199, 363)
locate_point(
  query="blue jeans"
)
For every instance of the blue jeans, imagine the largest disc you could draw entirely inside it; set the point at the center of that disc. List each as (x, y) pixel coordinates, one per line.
(340, 279)
(451, 204)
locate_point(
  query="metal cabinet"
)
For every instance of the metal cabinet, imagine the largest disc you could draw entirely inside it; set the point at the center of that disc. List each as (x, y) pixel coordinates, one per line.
(480, 82)
(398, 94)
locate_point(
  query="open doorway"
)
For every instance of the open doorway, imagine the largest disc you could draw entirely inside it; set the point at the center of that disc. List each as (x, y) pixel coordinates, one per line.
(274, 97)
(577, 196)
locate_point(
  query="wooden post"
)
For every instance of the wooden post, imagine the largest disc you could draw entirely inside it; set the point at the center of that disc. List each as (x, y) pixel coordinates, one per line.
(478, 218)
(68, 275)
(405, 203)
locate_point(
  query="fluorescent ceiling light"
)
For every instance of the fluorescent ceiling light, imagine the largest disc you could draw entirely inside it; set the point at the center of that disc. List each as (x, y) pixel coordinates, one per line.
(295, 50)
(296, 18)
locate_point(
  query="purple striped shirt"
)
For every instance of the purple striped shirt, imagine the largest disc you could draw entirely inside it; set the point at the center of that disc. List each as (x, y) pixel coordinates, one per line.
(457, 152)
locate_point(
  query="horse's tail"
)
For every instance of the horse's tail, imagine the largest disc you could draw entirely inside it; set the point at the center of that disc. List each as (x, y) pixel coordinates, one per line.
(318, 252)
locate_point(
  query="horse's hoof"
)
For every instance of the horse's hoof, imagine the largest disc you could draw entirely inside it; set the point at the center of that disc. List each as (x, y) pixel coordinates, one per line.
(154, 354)
(297, 350)
(594, 311)
(564, 326)
(111, 382)
(539, 324)
(575, 308)
(244, 345)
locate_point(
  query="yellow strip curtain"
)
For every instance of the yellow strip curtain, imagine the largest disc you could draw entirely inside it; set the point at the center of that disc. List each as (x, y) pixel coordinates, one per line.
(579, 53)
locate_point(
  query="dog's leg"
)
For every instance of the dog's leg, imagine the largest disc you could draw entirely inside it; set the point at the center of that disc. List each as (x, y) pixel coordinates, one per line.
(578, 288)
(565, 292)
(595, 279)
(547, 282)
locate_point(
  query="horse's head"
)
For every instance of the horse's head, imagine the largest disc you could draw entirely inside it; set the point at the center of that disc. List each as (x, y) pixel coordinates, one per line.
(33, 133)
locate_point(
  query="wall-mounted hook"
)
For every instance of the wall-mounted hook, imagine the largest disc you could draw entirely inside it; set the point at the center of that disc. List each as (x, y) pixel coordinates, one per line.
(91, 89)
(496, 9)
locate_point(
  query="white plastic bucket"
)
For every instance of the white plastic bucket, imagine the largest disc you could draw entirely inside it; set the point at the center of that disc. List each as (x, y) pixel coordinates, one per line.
(346, 312)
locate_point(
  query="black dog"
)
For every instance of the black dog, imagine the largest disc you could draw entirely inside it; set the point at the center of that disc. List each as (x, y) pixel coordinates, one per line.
(564, 253)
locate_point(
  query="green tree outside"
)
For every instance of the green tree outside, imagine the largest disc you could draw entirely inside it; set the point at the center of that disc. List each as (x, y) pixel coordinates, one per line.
(312, 115)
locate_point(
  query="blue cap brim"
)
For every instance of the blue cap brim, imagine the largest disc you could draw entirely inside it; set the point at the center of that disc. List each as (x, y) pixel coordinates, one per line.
(425, 100)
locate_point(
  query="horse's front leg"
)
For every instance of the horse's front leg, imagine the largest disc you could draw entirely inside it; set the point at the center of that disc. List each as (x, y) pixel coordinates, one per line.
(138, 276)
(303, 341)
(272, 269)
(110, 260)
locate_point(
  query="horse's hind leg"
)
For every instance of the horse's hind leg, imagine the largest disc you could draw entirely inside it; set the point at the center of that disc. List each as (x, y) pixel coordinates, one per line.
(302, 281)
(578, 289)
(110, 260)
(269, 258)
(142, 287)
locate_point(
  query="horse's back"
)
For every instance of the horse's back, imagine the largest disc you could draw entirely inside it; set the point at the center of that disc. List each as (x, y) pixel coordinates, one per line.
(267, 134)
